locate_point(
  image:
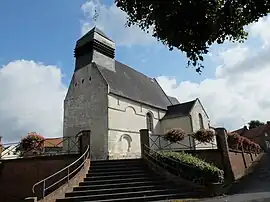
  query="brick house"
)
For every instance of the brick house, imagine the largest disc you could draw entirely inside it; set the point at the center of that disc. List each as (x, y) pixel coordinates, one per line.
(260, 135)
(53, 145)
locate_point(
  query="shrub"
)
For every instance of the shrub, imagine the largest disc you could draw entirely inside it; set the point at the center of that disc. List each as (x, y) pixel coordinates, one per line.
(174, 135)
(32, 141)
(247, 144)
(204, 135)
(197, 168)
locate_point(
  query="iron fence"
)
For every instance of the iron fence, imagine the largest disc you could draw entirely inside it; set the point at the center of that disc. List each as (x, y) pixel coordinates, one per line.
(157, 142)
(65, 145)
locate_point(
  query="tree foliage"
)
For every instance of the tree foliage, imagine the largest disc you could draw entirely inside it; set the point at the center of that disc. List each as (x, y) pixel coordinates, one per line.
(255, 124)
(193, 26)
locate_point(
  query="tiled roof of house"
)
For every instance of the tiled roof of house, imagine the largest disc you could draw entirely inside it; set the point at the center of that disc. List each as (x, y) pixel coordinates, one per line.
(131, 84)
(53, 142)
(241, 130)
(182, 109)
(254, 132)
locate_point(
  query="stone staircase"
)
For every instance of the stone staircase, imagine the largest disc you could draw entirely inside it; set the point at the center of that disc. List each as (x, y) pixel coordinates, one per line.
(125, 180)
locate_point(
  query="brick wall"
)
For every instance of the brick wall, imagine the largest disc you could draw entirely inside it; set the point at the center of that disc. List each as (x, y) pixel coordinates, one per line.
(240, 161)
(234, 163)
(17, 176)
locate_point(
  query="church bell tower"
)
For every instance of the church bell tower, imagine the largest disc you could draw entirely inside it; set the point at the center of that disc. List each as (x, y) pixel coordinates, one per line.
(96, 47)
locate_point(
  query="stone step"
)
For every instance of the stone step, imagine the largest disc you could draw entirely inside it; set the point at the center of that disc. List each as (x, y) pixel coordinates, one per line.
(115, 169)
(115, 177)
(126, 195)
(114, 162)
(116, 190)
(106, 165)
(107, 181)
(114, 185)
(125, 172)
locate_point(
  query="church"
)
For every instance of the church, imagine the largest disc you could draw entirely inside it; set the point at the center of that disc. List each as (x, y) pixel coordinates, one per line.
(115, 101)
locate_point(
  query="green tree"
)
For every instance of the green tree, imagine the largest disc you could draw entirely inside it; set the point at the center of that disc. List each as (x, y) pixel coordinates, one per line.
(255, 124)
(192, 26)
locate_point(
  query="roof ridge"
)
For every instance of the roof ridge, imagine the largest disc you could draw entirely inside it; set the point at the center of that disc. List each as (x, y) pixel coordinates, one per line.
(163, 91)
(182, 103)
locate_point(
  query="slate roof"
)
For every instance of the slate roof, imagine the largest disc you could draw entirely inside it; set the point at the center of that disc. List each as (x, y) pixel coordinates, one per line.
(131, 84)
(173, 100)
(256, 132)
(89, 36)
(182, 109)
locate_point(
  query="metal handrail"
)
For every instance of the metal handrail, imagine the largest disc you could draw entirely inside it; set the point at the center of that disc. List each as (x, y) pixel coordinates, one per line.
(85, 155)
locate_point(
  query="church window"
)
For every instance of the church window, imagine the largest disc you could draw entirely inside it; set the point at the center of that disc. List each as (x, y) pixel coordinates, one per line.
(201, 121)
(118, 101)
(82, 80)
(90, 78)
(149, 122)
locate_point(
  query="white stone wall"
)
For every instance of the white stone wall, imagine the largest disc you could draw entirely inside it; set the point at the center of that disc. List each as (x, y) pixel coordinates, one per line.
(85, 107)
(198, 108)
(180, 122)
(125, 119)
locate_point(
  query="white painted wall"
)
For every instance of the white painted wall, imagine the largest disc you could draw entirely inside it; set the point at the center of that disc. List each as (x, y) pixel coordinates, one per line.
(198, 108)
(180, 122)
(126, 117)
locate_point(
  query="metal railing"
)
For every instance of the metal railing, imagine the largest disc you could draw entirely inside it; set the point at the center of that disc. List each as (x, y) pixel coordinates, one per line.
(157, 142)
(45, 187)
(13, 150)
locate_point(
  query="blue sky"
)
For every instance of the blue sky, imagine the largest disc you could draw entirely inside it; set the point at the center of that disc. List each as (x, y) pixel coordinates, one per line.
(36, 64)
(46, 31)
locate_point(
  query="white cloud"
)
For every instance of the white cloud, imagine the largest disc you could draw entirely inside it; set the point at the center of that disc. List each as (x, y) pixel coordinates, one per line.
(261, 29)
(240, 91)
(31, 99)
(112, 21)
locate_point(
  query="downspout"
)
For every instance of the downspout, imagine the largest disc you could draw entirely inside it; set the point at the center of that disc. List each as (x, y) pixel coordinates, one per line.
(192, 131)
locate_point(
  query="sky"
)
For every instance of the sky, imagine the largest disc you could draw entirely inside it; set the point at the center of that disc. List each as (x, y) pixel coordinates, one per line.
(37, 40)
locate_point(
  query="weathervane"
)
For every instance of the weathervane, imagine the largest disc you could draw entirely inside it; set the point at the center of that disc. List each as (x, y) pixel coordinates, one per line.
(97, 11)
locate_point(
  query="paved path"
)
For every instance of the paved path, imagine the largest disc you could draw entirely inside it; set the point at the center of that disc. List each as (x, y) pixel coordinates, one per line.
(255, 187)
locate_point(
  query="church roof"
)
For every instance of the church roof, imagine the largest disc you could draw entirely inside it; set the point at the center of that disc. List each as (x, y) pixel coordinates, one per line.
(131, 84)
(173, 100)
(90, 35)
(178, 110)
(122, 79)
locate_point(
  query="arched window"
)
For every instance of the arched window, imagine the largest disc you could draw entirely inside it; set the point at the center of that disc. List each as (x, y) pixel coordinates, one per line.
(125, 142)
(149, 122)
(201, 121)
